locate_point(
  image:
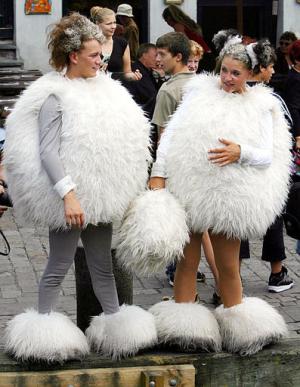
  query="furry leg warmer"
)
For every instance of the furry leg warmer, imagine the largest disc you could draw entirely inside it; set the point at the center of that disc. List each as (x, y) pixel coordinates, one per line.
(153, 234)
(48, 337)
(123, 333)
(246, 328)
(190, 326)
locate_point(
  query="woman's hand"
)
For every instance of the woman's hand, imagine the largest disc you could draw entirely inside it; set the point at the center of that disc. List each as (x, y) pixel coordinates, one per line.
(73, 211)
(134, 75)
(230, 153)
(297, 144)
(157, 183)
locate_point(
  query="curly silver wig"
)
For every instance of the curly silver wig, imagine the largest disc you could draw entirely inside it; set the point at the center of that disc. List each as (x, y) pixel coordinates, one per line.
(238, 52)
(80, 31)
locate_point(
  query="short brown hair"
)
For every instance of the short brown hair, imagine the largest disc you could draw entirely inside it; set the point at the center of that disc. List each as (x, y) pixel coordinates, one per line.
(175, 43)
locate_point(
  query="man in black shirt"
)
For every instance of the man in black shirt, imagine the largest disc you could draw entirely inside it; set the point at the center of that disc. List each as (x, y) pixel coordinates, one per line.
(144, 91)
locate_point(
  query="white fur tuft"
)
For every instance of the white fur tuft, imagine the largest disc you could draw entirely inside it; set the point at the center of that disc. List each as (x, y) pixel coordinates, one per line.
(153, 234)
(246, 328)
(188, 325)
(123, 333)
(48, 337)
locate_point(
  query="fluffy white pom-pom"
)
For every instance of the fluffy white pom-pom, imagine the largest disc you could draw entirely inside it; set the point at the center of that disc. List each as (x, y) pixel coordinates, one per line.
(49, 337)
(153, 233)
(247, 327)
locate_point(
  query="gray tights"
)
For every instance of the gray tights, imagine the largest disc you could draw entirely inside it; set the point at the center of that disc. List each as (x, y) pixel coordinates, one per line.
(97, 245)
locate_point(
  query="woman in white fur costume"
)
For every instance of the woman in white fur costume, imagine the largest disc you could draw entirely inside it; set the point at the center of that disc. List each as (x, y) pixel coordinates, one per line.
(225, 156)
(76, 155)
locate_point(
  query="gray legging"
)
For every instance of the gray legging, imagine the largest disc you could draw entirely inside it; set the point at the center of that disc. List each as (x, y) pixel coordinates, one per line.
(97, 245)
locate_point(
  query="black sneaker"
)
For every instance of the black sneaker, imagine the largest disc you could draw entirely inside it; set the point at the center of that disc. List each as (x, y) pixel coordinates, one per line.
(200, 276)
(280, 282)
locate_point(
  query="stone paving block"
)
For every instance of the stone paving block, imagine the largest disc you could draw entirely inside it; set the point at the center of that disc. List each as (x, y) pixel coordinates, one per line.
(144, 291)
(292, 311)
(10, 291)
(150, 282)
(7, 278)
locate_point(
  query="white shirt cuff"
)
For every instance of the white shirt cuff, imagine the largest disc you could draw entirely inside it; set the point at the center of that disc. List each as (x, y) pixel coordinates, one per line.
(158, 170)
(63, 186)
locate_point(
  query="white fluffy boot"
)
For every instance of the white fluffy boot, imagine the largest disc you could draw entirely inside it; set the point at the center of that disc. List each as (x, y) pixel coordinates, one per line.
(123, 333)
(190, 326)
(247, 327)
(49, 337)
(153, 233)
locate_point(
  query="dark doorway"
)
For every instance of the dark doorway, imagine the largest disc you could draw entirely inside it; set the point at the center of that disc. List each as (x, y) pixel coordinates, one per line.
(140, 11)
(6, 20)
(257, 18)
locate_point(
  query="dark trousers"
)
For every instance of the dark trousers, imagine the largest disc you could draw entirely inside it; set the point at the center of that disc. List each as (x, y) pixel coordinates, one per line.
(273, 244)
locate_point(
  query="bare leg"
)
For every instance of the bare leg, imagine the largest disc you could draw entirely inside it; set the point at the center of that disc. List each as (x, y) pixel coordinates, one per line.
(227, 261)
(185, 277)
(210, 257)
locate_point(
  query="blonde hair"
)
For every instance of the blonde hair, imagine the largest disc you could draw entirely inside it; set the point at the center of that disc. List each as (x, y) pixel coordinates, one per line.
(196, 49)
(99, 13)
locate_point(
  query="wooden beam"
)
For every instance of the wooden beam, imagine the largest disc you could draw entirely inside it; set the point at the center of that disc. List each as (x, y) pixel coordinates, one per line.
(160, 376)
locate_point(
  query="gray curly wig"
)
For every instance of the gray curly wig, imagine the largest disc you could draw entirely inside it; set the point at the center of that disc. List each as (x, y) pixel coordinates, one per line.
(68, 35)
(238, 52)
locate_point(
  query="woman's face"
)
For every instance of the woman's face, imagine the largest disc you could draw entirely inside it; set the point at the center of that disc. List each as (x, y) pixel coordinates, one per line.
(267, 72)
(234, 75)
(86, 62)
(108, 26)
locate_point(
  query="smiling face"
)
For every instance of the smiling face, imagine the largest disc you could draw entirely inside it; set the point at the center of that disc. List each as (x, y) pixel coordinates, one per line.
(108, 26)
(193, 63)
(86, 62)
(234, 75)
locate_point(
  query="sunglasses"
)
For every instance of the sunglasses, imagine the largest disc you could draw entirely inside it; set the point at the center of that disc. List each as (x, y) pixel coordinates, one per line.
(283, 43)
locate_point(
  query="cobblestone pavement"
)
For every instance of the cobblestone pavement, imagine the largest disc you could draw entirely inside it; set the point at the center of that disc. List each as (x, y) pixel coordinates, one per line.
(21, 270)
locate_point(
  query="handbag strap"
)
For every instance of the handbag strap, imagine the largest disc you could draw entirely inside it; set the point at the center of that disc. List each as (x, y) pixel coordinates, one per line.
(7, 246)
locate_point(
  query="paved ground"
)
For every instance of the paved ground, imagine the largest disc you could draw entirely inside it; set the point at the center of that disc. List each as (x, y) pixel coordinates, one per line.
(20, 273)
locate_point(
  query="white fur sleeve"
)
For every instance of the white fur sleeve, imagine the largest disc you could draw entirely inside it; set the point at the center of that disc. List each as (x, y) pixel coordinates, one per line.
(262, 155)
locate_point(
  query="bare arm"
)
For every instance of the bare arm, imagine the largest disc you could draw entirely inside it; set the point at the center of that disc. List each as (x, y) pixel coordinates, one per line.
(129, 74)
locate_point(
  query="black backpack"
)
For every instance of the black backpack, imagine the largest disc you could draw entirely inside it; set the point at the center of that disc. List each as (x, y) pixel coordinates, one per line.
(291, 216)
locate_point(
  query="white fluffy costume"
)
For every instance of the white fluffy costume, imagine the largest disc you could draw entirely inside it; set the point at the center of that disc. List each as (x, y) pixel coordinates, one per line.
(248, 327)
(48, 337)
(188, 326)
(104, 148)
(238, 200)
(113, 141)
(123, 333)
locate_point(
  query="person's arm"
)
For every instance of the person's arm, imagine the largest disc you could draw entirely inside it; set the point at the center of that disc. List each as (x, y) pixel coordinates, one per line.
(128, 73)
(245, 153)
(159, 173)
(50, 122)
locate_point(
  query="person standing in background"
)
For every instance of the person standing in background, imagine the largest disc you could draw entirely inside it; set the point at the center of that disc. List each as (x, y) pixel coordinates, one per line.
(115, 50)
(181, 22)
(131, 30)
